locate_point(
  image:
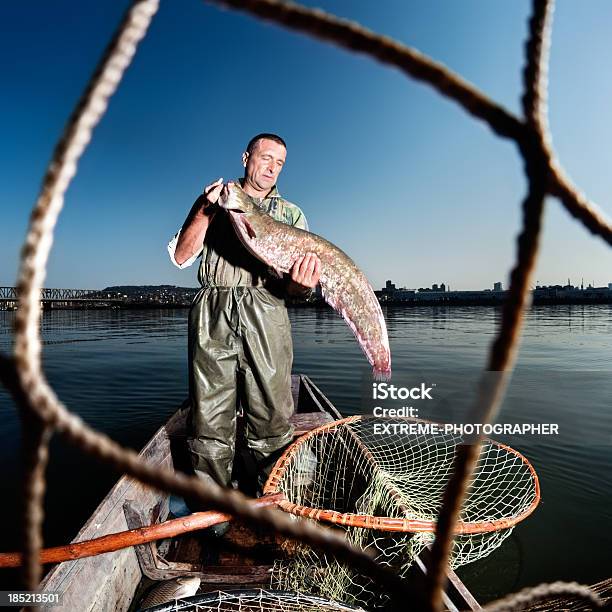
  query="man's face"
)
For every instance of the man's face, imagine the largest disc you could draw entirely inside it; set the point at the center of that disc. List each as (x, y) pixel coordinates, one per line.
(264, 164)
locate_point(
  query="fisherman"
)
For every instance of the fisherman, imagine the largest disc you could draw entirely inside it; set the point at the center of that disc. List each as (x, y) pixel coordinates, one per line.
(240, 349)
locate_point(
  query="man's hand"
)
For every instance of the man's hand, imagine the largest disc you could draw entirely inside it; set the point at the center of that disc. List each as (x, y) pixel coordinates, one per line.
(306, 271)
(212, 192)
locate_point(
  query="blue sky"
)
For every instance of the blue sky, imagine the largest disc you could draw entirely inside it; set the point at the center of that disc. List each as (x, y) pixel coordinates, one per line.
(401, 179)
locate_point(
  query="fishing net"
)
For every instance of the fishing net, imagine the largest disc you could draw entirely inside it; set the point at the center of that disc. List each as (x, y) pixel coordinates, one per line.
(383, 481)
(253, 600)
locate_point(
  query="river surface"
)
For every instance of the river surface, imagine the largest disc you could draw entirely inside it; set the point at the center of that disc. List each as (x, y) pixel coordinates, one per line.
(125, 371)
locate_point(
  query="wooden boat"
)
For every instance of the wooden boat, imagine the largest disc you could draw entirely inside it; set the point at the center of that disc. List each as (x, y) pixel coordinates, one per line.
(112, 581)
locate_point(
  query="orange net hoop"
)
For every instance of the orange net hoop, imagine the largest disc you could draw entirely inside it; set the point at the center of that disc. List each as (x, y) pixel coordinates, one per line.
(346, 454)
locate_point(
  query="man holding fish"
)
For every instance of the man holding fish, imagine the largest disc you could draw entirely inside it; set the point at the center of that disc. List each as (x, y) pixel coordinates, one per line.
(240, 348)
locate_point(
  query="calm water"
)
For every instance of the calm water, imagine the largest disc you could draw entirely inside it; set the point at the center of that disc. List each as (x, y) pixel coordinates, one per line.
(124, 372)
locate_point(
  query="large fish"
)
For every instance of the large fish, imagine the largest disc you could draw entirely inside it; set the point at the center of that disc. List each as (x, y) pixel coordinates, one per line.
(344, 286)
(169, 590)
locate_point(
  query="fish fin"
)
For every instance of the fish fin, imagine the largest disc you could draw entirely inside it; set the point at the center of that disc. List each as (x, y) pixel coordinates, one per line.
(335, 301)
(337, 305)
(249, 229)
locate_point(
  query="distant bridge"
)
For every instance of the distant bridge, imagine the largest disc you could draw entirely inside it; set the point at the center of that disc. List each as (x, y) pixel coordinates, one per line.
(9, 295)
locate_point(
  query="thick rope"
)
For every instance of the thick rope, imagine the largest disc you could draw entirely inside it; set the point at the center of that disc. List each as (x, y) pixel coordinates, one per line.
(354, 37)
(35, 451)
(524, 599)
(560, 601)
(61, 170)
(578, 205)
(503, 350)
(34, 258)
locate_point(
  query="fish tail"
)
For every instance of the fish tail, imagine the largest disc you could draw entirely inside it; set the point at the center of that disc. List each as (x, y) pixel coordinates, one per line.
(380, 375)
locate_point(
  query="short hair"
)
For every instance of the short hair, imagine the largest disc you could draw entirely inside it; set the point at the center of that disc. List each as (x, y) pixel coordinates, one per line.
(256, 139)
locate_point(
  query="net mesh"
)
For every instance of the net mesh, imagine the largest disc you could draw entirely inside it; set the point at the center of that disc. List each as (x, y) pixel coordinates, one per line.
(254, 600)
(383, 482)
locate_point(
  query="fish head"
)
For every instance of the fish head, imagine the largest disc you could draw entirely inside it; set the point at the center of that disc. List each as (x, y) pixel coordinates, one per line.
(243, 212)
(169, 590)
(234, 199)
(189, 582)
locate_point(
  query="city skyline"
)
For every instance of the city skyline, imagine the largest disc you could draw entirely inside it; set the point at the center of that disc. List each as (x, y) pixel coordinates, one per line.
(389, 284)
(369, 150)
(497, 285)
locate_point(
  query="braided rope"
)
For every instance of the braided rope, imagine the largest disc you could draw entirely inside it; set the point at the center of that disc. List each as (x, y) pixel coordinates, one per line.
(503, 350)
(39, 398)
(35, 452)
(577, 204)
(354, 37)
(527, 597)
(544, 175)
(558, 601)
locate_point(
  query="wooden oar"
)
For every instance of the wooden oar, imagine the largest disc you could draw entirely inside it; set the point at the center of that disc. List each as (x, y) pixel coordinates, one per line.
(142, 535)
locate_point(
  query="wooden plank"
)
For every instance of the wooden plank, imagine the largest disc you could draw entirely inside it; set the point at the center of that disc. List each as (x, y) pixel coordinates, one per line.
(319, 398)
(456, 595)
(304, 422)
(152, 565)
(237, 574)
(103, 583)
(108, 582)
(295, 389)
(465, 596)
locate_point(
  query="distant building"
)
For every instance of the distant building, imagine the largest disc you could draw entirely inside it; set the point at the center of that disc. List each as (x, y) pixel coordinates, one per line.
(403, 294)
(542, 294)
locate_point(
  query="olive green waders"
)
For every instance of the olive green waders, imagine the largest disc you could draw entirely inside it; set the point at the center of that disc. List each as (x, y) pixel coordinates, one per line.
(240, 352)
